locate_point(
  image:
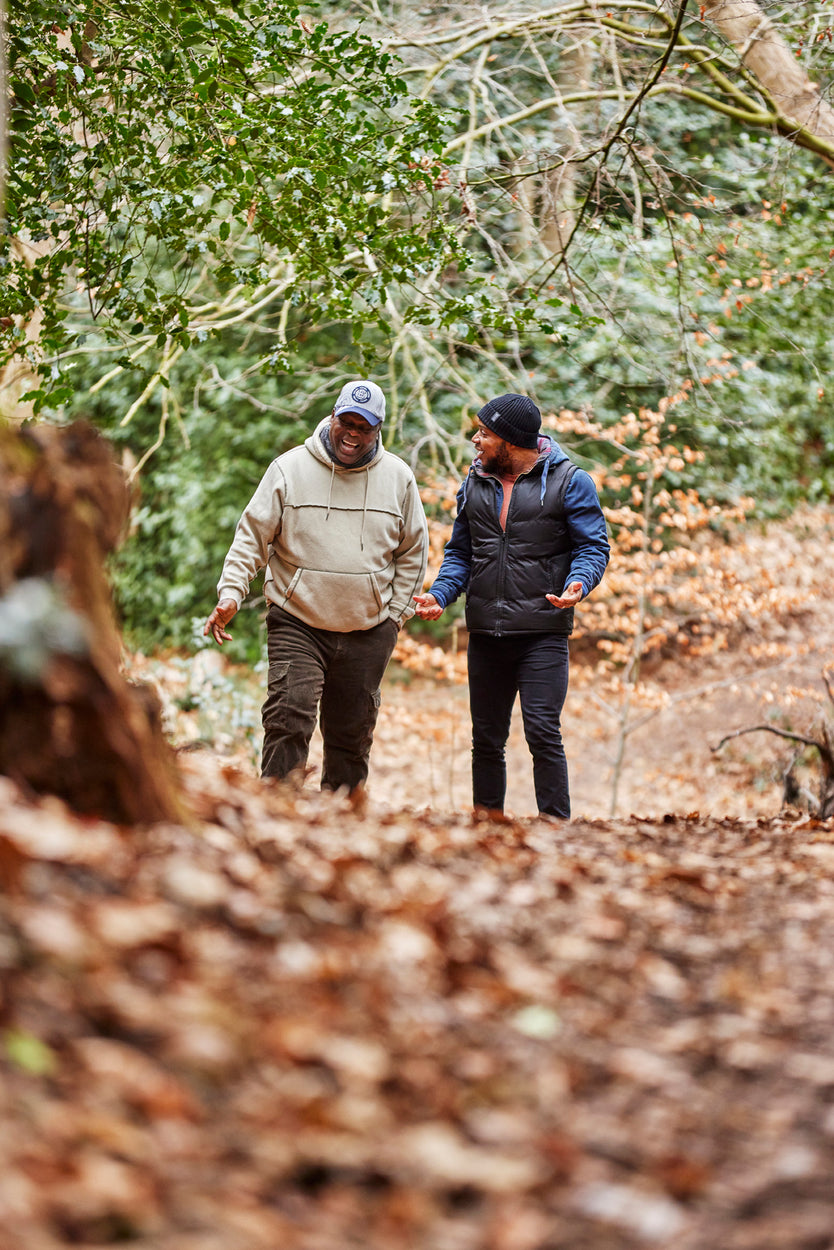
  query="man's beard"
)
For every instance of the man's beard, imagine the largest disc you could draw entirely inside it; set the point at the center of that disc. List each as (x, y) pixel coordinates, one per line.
(498, 463)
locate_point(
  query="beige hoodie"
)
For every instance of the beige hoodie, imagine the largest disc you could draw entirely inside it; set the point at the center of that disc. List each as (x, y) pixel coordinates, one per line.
(344, 548)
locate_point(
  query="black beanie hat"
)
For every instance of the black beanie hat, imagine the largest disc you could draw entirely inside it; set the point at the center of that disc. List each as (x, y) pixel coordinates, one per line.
(515, 418)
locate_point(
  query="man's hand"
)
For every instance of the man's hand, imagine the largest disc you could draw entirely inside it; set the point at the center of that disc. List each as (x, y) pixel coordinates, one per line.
(219, 619)
(569, 597)
(428, 609)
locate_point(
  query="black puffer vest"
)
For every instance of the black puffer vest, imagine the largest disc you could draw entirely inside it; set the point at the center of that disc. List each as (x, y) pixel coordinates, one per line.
(513, 569)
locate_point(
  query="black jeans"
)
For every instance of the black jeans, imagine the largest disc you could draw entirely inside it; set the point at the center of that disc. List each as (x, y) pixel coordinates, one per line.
(534, 666)
(338, 675)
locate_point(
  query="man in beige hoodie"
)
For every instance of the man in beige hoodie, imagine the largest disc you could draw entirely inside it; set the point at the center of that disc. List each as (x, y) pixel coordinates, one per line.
(339, 526)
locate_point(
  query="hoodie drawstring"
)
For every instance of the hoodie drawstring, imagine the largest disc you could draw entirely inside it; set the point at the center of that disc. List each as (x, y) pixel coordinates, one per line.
(544, 481)
(364, 503)
(364, 513)
(330, 489)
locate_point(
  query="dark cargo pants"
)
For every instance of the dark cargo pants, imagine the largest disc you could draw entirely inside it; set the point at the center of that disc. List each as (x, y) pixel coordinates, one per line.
(333, 674)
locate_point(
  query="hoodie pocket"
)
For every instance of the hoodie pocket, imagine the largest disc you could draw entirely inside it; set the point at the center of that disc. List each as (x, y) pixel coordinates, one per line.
(335, 601)
(377, 593)
(290, 591)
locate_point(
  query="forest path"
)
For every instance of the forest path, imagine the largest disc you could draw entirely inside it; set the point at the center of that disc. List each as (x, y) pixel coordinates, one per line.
(684, 706)
(765, 669)
(292, 1025)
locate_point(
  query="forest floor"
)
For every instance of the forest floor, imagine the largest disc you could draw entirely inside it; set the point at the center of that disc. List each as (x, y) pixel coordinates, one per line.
(291, 1024)
(769, 673)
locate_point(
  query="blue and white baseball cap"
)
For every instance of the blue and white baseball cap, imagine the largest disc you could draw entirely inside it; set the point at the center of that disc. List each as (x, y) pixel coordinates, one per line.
(364, 398)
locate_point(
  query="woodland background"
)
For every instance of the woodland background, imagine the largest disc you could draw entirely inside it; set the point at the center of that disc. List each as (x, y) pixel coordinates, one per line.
(241, 1017)
(622, 210)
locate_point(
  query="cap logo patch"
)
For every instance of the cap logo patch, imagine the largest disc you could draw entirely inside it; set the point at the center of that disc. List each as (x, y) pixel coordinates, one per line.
(360, 394)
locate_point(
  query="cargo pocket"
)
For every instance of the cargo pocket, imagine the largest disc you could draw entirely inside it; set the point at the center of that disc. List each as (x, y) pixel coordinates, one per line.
(365, 736)
(277, 685)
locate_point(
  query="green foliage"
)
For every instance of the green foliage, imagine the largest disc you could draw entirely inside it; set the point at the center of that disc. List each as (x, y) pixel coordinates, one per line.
(731, 303)
(206, 704)
(246, 206)
(176, 138)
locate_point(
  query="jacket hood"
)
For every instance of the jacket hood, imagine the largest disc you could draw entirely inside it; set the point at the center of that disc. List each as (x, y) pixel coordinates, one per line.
(550, 450)
(550, 454)
(317, 449)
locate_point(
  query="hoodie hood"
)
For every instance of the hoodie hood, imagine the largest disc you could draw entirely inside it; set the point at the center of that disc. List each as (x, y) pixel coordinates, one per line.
(315, 445)
(317, 448)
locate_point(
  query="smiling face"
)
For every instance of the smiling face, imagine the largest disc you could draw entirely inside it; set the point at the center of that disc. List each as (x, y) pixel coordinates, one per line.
(493, 451)
(352, 436)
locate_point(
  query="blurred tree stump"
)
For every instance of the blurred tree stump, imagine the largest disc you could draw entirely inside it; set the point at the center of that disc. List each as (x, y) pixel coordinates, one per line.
(70, 724)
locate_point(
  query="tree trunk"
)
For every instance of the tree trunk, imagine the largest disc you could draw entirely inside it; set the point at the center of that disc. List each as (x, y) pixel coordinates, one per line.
(70, 724)
(769, 58)
(558, 198)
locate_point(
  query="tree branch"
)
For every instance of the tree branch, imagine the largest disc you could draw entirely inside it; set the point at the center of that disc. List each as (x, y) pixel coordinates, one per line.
(804, 116)
(770, 729)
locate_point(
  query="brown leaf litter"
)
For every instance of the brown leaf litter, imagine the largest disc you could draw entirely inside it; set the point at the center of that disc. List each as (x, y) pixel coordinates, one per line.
(294, 1026)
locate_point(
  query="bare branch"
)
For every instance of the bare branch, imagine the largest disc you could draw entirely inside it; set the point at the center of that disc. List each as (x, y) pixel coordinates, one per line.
(770, 729)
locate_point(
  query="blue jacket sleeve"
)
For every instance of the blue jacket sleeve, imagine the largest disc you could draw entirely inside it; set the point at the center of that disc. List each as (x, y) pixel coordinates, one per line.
(589, 536)
(457, 558)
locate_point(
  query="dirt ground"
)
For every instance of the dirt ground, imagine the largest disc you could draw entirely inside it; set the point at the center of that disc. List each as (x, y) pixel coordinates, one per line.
(290, 1022)
(769, 672)
(421, 752)
(296, 1025)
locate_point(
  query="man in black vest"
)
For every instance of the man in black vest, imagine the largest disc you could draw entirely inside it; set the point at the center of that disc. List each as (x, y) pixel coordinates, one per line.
(529, 542)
